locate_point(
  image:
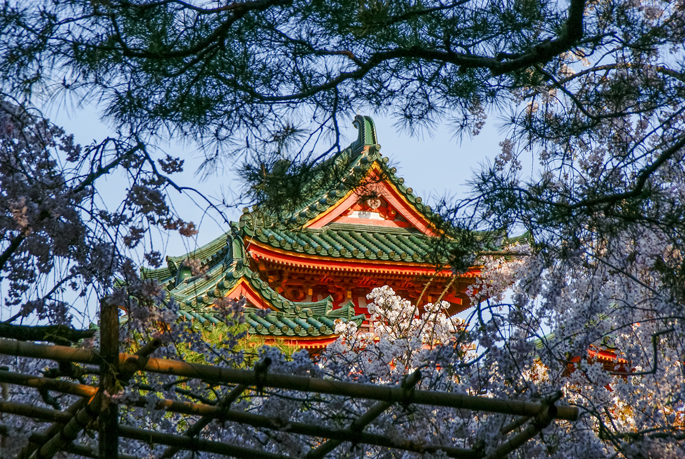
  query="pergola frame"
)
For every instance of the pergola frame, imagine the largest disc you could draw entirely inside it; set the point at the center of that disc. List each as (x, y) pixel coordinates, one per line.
(93, 407)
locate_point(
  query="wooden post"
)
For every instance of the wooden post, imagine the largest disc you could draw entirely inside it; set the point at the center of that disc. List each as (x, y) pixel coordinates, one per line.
(5, 396)
(66, 434)
(108, 423)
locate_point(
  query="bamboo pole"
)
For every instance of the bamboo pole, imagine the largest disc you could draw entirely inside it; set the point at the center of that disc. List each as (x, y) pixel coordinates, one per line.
(298, 383)
(224, 403)
(367, 418)
(196, 444)
(42, 351)
(514, 424)
(81, 450)
(35, 412)
(56, 385)
(355, 390)
(91, 411)
(221, 413)
(108, 420)
(70, 431)
(542, 420)
(87, 451)
(50, 431)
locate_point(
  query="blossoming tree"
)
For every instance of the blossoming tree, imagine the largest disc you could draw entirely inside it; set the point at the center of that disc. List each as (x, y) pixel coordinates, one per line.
(596, 91)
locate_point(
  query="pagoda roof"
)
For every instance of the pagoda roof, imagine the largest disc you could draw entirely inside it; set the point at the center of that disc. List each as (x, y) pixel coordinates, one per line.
(359, 163)
(226, 273)
(315, 235)
(341, 247)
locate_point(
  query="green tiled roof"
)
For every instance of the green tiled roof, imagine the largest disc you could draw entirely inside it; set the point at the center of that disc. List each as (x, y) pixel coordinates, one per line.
(302, 324)
(159, 274)
(207, 254)
(347, 242)
(197, 294)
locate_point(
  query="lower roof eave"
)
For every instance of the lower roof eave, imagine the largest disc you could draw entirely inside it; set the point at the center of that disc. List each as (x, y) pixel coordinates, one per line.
(300, 342)
(362, 266)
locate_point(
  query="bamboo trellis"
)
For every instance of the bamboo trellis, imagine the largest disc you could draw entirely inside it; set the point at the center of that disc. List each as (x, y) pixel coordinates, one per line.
(93, 408)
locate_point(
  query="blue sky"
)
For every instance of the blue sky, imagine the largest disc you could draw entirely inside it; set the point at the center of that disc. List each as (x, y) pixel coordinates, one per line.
(434, 164)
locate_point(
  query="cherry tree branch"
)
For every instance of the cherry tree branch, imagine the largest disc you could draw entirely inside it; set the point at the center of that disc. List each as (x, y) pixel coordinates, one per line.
(641, 181)
(655, 343)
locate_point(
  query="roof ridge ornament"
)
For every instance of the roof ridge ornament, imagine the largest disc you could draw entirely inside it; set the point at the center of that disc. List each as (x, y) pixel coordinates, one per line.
(367, 138)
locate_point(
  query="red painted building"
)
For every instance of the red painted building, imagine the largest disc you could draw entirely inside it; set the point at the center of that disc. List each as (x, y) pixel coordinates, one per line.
(316, 264)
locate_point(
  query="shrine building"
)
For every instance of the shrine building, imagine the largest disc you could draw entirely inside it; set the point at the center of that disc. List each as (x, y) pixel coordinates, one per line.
(316, 264)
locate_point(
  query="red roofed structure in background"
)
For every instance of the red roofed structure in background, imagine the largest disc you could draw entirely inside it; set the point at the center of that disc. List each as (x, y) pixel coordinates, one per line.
(315, 265)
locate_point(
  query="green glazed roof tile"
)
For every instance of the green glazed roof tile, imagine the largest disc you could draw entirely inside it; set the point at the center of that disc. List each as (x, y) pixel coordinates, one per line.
(272, 318)
(328, 322)
(317, 325)
(305, 325)
(293, 326)
(345, 243)
(253, 325)
(211, 318)
(159, 274)
(308, 319)
(197, 317)
(370, 229)
(213, 249)
(394, 247)
(399, 243)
